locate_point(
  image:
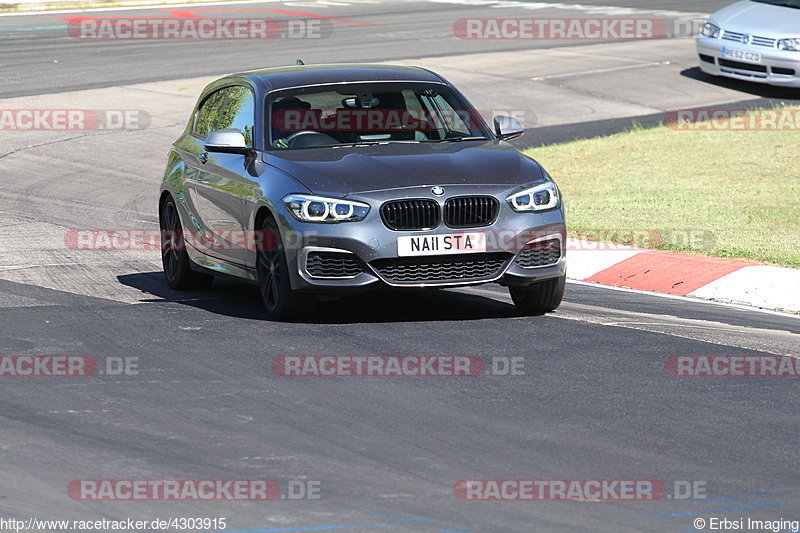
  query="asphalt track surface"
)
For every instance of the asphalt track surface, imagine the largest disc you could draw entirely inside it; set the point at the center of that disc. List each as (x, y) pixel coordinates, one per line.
(38, 56)
(594, 401)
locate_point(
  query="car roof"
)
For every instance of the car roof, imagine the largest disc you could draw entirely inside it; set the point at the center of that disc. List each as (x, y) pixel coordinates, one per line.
(271, 79)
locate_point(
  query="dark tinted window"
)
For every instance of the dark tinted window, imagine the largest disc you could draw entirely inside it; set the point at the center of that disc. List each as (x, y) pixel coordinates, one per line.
(356, 113)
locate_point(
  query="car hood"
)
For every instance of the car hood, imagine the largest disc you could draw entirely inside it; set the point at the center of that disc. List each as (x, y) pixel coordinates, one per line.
(347, 170)
(759, 19)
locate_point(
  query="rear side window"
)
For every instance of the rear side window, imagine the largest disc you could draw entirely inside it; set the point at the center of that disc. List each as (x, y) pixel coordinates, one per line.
(229, 108)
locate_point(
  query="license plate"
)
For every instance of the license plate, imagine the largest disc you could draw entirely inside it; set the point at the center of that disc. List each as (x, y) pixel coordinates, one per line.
(454, 243)
(743, 55)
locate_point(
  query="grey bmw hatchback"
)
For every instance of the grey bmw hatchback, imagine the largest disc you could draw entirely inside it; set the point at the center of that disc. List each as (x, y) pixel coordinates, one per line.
(313, 182)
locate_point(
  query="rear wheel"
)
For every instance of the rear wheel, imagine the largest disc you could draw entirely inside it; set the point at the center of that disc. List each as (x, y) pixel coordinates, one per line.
(177, 265)
(541, 297)
(280, 301)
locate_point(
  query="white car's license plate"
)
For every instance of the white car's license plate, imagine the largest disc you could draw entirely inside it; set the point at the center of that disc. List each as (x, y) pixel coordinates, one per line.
(454, 243)
(743, 55)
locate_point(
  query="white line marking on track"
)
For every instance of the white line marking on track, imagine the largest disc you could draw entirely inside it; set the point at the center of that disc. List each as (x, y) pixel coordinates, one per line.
(138, 8)
(503, 294)
(773, 341)
(602, 70)
(599, 10)
(686, 299)
(21, 267)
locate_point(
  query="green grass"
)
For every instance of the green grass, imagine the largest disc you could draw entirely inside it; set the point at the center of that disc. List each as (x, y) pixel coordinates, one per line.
(717, 193)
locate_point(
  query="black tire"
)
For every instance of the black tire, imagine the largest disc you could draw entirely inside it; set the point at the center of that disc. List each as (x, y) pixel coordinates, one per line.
(280, 301)
(541, 297)
(177, 265)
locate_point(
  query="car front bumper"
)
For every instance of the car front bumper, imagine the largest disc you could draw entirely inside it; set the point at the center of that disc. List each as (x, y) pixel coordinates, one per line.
(373, 246)
(777, 67)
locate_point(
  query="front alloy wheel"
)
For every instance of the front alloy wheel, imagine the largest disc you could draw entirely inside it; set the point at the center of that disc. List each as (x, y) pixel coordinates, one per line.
(280, 301)
(177, 265)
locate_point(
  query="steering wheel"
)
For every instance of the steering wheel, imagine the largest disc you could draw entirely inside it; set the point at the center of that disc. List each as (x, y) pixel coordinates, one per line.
(308, 139)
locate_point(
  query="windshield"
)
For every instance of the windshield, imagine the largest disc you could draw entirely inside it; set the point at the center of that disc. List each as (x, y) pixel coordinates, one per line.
(785, 3)
(355, 114)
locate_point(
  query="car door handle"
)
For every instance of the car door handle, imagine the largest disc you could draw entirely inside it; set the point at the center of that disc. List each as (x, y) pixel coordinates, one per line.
(203, 157)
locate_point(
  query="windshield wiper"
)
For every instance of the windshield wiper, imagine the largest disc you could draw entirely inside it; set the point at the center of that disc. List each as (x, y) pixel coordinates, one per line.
(359, 143)
(455, 139)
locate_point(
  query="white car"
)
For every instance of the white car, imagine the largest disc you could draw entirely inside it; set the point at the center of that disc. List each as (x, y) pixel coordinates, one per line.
(753, 40)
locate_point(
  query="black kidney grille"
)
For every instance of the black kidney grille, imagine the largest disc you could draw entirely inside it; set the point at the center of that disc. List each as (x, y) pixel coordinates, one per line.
(442, 268)
(410, 214)
(332, 265)
(540, 253)
(470, 211)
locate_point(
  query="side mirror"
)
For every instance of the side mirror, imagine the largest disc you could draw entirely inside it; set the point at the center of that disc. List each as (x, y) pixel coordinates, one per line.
(228, 142)
(507, 127)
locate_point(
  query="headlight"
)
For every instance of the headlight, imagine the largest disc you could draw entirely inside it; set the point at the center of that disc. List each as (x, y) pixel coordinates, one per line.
(789, 44)
(308, 208)
(709, 30)
(540, 198)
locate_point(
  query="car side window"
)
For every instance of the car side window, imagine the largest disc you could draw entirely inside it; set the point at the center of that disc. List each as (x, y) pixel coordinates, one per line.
(228, 108)
(239, 112)
(208, 114)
